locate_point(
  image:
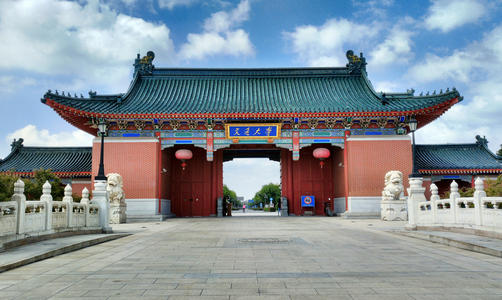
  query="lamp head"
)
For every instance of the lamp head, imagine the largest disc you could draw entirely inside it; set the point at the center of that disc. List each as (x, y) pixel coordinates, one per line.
(102, 126)
(412, 123)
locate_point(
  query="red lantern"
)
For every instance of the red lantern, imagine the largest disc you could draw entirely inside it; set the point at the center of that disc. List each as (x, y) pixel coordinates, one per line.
(321, 154)
(183, 154)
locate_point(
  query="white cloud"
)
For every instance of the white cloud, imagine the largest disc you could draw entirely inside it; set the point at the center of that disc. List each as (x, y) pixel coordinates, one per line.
(396, 48)
(464, 65)
(447, 15)
(9, 84)
(171, 4)
(223, 21)
(42, 137)
(457, 66)
(129, 2)
(220, 36)
(325, 45)
(387, 86)
(83, 40)
(477, 65)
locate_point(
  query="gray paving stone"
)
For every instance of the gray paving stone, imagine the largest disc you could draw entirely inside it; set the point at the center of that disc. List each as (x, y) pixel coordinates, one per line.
(322, 258)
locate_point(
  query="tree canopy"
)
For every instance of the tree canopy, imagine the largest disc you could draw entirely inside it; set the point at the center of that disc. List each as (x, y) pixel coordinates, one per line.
(32, 186)
(231, 196)
(266, 192)
(499, 153)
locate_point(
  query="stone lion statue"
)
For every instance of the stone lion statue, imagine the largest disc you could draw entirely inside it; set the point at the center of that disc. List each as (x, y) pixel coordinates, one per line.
(393, 185)
(114, 187)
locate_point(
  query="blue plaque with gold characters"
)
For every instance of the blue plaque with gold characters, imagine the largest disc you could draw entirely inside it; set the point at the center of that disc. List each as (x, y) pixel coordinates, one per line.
(253, 131)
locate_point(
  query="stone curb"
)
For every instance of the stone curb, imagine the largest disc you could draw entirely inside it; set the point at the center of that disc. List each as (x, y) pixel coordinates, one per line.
(61, 250)
(451, 242)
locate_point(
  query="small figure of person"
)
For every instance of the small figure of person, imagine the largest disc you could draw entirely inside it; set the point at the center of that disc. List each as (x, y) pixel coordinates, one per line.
(278, 209)
(243, 208)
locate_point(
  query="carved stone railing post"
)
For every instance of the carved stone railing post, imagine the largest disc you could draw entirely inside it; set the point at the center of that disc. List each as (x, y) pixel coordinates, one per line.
(68, 199)
(20, 199)
(434, 198)
(85, 200)
(454, 195)
(100, 197)
(479, 193)
(47, 198)
(284, 207)
(219, 207)
(416, 194)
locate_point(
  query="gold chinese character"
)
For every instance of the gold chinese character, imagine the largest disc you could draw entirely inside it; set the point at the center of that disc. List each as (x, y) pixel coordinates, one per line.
(247, 131)
(236, 132)
(269, 129)
(257, 132)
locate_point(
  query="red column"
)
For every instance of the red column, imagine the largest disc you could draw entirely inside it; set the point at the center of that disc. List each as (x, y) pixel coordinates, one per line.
(159, 171)
(346, 168)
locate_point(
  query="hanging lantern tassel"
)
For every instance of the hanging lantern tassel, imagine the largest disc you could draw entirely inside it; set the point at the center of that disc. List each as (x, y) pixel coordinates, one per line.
(321, 154)
(183, 155)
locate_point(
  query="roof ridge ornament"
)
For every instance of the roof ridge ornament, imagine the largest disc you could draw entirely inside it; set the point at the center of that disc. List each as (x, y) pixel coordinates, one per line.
(144, 65)
(357, 64)
(482, 141)
(16, 144)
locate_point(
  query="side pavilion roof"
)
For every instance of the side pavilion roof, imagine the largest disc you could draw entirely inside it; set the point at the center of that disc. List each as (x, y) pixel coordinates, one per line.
(63, 161)
(457, 158)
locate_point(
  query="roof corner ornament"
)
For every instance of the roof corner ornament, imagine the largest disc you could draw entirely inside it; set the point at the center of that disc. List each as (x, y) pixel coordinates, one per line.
(383, 99)
(16, 144)
(356, 64)
(144, 65)
(482, 141)
(92, 94)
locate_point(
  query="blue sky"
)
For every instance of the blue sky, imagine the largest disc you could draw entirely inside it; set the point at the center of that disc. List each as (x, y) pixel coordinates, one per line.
(82, 45)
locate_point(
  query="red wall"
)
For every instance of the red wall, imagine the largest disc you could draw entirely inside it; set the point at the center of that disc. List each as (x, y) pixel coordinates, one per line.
(306, 177)
(194, 191)
(137, 162)
(77, 187)
(369, 160)
(338, 173)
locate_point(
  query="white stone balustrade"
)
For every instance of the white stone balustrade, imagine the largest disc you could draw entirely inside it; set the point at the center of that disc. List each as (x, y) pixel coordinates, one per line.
(20, 218)
(478, 212)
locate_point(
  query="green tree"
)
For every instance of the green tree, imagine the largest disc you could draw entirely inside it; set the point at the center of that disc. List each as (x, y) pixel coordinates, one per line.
(33, 186)
(231, 196)
(493, 188)
(7, 186)
(266, 192)
(499, 153)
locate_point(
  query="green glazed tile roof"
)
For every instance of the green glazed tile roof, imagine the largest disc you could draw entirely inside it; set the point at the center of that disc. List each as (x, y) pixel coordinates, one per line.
(456, 156)
(303, 90)
(58, 159)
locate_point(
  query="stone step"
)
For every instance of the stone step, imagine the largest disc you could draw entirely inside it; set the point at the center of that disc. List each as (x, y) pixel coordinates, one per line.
(361, 215)
(147, 218)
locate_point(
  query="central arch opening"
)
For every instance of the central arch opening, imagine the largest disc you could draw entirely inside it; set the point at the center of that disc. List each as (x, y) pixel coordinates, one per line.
(252, 178)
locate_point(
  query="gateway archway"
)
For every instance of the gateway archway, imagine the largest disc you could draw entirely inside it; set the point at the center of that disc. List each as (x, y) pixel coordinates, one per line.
(195, 190)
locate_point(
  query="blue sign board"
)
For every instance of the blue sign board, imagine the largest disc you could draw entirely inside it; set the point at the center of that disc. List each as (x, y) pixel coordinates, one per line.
(252, 131)
(308, 201)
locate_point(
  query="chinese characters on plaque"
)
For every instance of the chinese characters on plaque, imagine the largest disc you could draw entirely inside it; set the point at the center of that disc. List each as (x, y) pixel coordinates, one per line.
(252, 131)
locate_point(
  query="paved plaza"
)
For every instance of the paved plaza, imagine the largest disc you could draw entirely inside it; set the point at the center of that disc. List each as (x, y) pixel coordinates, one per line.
(260, 258)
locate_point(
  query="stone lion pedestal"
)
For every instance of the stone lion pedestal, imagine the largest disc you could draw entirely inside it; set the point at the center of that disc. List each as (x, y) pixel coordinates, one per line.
(393, 206)
(114, 188)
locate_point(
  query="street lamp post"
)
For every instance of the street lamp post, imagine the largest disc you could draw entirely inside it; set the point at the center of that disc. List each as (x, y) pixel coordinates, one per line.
(413, 126)
(102, 132)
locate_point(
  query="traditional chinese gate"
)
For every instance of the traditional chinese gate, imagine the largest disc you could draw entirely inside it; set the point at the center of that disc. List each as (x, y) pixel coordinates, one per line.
(210, 111)
(194, 191)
